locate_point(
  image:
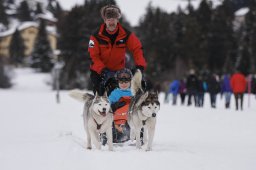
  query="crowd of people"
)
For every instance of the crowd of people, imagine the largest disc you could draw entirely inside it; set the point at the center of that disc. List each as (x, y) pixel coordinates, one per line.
(195, 86)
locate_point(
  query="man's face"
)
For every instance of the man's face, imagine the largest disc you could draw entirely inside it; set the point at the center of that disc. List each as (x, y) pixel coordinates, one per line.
(111, 23)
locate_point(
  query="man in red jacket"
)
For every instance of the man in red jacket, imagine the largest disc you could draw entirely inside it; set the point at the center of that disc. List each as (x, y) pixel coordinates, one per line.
(107, 48)
(238, 85)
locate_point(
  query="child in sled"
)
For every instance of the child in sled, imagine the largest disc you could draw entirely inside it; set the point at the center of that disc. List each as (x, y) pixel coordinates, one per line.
(120, 100)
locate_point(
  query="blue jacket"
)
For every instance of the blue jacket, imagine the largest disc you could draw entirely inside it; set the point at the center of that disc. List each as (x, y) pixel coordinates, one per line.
(225, 86)
(174, 87)
(118, 93)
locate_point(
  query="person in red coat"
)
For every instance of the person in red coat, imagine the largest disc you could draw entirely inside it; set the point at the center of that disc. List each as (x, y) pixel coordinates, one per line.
(107, 48)
(238, 85)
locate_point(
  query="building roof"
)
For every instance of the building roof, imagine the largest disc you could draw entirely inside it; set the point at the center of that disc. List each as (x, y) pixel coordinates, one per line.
(24, 25)
(47, 16)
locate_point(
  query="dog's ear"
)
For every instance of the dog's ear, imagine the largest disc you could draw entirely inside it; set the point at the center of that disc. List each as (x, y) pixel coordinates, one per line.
(105, 94)
(157, 92)
(96, 94)
(141, 99)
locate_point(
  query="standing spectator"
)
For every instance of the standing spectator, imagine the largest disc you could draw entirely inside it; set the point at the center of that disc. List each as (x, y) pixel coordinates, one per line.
(182, 91)
(226, 89)
(238, 85)
(213, 89)
(192, 82)
(200, 92)
(174, 89)
(253, 85)
(166, 92)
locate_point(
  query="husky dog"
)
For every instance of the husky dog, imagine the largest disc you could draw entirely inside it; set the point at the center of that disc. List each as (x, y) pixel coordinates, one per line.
(97, 117)
(143, 110)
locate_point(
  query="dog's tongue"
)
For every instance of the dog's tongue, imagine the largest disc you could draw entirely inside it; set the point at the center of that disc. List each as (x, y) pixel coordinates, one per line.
(103, 113)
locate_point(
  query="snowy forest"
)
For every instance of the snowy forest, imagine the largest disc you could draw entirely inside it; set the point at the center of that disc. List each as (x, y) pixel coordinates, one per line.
(207, 39)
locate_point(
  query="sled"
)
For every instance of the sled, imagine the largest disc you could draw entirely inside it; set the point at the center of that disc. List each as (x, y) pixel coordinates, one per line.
(121, 129)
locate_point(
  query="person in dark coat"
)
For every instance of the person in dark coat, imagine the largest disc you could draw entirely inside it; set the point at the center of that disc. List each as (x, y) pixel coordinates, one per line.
(253, 84)
(182, 91)
(192, 83)
(201, 89)
(213, 89)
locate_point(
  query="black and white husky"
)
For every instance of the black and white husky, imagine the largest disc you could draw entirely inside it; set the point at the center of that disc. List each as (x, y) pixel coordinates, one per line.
(97, 117)
(143, 111)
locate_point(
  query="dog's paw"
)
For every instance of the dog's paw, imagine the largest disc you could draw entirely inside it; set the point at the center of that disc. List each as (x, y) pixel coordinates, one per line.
(89, 147)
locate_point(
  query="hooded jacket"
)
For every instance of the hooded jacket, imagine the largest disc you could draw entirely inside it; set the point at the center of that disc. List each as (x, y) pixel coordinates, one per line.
(105, 55)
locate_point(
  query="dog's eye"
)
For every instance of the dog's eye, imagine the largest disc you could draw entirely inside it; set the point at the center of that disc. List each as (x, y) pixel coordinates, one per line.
(100, 104)
(149, 107)
(106, 104)
(155, 107)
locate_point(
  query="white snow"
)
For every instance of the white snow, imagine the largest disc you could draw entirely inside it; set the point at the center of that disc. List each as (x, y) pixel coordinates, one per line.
(36, 133)
(242, 11)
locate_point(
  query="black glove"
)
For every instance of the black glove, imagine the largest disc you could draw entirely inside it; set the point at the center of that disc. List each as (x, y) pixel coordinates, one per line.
(141, 68)
(117, 105)
(144, 85)
(104, 73)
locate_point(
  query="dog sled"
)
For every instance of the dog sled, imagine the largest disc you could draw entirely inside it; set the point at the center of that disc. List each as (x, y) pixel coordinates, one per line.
(121, 129)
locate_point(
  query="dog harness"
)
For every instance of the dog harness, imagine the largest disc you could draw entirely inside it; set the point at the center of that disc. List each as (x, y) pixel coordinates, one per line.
(144, 122)
(98, 125)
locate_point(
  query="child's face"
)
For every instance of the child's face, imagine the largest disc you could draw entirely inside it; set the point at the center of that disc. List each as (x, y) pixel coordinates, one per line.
(124, 84)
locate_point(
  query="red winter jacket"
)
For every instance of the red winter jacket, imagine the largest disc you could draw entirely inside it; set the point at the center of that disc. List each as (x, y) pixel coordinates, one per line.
(104, 55)
(238, 83)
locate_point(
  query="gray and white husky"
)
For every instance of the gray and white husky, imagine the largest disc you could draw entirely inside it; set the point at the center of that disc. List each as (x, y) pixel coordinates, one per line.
(143, 111)
(97, 117)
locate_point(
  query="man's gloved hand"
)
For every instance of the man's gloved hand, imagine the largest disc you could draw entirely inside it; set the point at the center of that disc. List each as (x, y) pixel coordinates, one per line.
(104, 73)
(117, 105)
(144, 85)
(141, 68)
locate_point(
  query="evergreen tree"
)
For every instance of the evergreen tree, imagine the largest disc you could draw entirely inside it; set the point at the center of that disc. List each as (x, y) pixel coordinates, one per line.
(191, 42)
(3, 15)
(9, 2)
(240, 4)
(24, 12)
(179, 32)
(156, 33)
(222, 44)
(39, 9)
(16, 49)
(248, 59)
(54, 7)
(42, 53)
(204, 19)
(50, 7)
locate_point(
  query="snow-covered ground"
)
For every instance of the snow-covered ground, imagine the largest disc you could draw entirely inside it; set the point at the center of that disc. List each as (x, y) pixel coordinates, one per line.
(36, 133)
